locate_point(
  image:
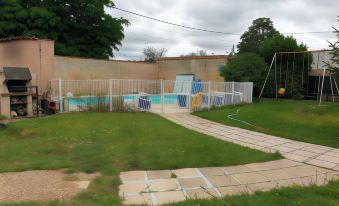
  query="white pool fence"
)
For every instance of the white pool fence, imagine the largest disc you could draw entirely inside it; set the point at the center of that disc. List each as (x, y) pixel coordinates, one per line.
(147, 95)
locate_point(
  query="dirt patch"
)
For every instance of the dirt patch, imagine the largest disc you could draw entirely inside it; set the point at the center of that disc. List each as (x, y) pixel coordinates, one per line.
(42, 185)
(25, 133)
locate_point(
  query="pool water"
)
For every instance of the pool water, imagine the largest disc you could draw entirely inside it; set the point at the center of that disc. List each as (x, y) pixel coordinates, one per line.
(156, 99)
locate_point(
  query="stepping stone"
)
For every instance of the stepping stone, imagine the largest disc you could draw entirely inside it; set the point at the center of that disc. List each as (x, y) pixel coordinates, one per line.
(212, 171)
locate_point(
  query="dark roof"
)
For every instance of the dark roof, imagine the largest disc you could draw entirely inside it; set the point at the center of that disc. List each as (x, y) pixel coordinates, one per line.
(17, 73)
(13, 38)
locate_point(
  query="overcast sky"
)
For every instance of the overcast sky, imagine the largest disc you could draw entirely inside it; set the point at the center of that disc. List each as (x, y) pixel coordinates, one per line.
(233, 16)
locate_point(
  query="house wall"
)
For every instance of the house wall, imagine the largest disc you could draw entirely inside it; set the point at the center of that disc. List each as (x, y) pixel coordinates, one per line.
(203, 68)
(37, 55)
(82, 68)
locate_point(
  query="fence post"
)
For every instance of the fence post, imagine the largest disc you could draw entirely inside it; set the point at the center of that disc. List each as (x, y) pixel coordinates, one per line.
(209, 95)
(110, 95)
(60, 96)
(232, 92)
(162, 94)
(189, 96)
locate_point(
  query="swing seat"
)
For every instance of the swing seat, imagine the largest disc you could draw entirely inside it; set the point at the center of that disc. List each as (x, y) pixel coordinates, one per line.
(282, 91)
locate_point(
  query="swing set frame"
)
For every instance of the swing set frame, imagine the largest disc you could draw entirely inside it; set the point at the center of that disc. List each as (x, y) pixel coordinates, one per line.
(294, 53)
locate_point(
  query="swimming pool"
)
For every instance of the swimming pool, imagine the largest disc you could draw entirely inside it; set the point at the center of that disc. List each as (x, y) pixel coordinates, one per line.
(156, 99)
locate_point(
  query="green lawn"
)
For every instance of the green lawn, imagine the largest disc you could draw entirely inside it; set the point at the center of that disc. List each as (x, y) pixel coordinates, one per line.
(111, 143)
(293, 119)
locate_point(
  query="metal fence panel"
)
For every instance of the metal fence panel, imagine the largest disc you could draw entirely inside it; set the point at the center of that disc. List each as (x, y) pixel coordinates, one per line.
(147, 95)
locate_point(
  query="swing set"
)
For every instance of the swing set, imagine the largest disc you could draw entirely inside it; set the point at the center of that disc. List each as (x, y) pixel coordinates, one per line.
(293, 74)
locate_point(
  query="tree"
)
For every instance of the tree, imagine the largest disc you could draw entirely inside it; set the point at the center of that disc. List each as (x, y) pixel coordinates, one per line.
(152, 53)
(197, 53)
(79, 27)
(291, 68)
(279, 43)
(246, 67)
(261, 29)
(334, 65)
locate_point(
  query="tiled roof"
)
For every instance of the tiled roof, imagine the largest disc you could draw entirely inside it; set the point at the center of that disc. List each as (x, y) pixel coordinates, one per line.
(18, 38)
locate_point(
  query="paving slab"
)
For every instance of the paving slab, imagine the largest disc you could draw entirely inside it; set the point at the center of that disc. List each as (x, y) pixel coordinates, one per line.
(233, 190)
(139, 199)
(215, 171)
(202, 193)
(277, 174)
(161, 174)
(192, 182)
(237, 169)
(132, 188)
(163, 185)
(132, 176)
(169, 197)
(222, 181)
(187, 172)
(248, 178)
(262, 186)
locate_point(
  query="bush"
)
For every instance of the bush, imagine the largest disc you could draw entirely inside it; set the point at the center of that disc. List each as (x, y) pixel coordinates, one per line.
(247, 67)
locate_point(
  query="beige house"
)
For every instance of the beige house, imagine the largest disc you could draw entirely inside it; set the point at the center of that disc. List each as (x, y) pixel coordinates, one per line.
(38, 56)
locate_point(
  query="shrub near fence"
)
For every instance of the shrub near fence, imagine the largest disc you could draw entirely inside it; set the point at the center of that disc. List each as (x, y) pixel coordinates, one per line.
(147, 95)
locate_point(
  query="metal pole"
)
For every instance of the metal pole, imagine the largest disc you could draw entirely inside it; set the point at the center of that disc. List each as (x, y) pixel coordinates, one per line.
(322, 86)
(332, 88)
(60, 96)
(269, 71)
(189, 96)
(276, 81)
(232, 92)
(209, 95)
(110, 95)
(162, 94)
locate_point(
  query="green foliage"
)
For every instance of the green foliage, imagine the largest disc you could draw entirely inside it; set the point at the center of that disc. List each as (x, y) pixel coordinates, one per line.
(261, 29)
(334, 66)
(292, 69)
(292, 119)
(80, 28)
(247, 67)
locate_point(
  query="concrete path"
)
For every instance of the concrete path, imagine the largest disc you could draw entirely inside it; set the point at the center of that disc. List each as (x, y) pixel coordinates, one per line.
(306, 164)
(312, 154)
(169, 186)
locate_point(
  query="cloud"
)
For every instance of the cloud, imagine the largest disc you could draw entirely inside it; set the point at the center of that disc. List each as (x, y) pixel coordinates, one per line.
(229, 16)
